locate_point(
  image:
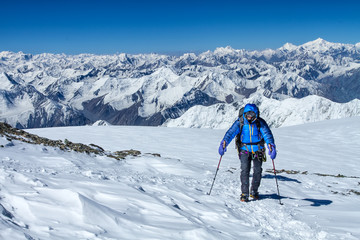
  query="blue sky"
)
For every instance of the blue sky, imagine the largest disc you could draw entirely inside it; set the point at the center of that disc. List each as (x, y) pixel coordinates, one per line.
(172, 27)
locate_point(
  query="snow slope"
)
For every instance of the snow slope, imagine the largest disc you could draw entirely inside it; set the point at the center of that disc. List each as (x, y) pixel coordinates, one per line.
(46, 193)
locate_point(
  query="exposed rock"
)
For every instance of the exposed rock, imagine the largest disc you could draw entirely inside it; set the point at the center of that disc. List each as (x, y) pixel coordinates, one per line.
(17, 134)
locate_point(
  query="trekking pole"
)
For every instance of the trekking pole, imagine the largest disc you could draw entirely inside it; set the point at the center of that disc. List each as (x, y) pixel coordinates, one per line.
(277, 185)
(215, 175)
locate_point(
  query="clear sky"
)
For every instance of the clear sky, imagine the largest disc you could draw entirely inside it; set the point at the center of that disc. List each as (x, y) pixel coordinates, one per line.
(172, 27)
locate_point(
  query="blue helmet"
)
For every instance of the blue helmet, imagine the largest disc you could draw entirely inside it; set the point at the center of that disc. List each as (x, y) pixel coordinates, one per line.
(251, 108)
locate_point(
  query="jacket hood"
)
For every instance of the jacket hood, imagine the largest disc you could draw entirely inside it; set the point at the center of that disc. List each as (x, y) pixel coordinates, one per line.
(251, 107)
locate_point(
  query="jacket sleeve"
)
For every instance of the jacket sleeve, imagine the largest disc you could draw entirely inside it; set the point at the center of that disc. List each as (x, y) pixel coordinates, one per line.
(232, 132)
(266, 132)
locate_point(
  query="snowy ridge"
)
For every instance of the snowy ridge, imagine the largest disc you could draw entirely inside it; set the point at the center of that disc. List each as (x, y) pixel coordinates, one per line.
(48, 90)
(101, 123)
(46, 193)
(288, 112)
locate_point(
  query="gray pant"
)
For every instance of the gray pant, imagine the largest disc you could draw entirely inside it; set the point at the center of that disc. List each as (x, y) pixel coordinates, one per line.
(245, 160)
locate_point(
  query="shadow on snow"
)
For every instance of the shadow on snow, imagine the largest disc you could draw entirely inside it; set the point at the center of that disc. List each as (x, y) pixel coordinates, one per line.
(280, 178)
(318, 202)
(315, 202)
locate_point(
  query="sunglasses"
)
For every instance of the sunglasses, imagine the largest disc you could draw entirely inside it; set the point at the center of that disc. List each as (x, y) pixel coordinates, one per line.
(250, 114)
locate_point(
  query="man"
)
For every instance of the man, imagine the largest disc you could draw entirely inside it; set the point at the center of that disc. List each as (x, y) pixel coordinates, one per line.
(253, 134)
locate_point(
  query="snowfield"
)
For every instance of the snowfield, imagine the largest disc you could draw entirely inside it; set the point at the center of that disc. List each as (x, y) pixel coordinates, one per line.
(46, 193)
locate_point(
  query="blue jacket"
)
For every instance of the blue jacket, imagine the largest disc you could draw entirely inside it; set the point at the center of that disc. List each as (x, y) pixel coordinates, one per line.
(250, 132)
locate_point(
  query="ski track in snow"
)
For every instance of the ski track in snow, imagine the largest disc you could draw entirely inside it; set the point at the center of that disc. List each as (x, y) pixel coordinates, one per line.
(49, 194)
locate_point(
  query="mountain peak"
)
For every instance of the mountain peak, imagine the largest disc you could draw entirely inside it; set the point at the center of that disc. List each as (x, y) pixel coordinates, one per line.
(224, 50)
(318, 45)
(288, 47)
(320, 41)
(101, 123)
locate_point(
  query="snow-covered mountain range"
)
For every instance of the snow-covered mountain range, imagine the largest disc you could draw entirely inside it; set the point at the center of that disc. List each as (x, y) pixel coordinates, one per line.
(293, 84)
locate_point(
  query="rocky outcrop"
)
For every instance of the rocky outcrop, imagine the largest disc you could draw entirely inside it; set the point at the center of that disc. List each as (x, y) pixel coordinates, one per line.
(17, 134)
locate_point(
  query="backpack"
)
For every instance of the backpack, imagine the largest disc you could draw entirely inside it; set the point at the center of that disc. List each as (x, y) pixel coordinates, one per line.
(241, 118)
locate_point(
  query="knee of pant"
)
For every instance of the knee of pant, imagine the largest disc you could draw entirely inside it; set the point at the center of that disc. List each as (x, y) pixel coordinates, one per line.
(245, 172)
(245, 167)
(257, 170)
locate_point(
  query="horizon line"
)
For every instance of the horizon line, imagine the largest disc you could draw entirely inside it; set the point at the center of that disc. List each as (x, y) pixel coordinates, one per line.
(177, 52)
